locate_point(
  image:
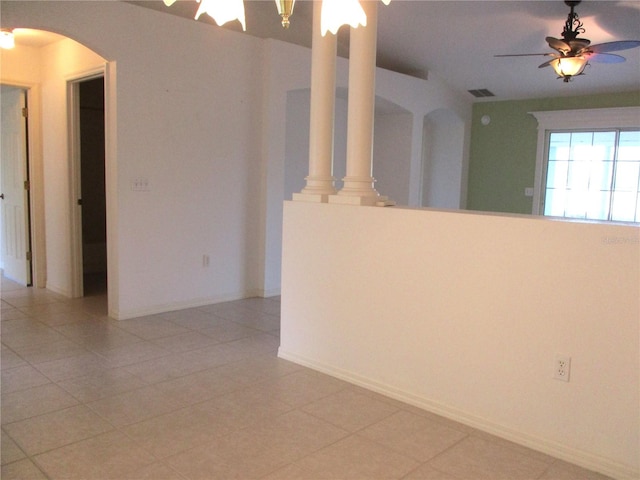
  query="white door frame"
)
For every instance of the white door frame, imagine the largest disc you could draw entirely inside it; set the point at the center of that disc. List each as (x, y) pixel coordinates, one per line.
(36, 175)
(111, 187)
(109, 72)
(75, 184)
(16, 216)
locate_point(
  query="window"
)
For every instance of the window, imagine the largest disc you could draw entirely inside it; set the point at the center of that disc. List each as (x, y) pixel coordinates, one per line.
(593, 175)
(588, 164)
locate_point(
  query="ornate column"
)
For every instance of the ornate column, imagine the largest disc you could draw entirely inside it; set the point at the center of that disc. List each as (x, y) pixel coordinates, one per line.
(358, 184)
(320, 182)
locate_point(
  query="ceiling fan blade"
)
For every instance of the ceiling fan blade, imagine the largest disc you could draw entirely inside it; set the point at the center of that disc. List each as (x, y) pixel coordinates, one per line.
(546, 64)
(614, 46)
(525, 55)
(605, 58)
(559, 45)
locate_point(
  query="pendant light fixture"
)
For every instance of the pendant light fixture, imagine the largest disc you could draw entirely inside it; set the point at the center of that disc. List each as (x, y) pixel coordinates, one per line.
(336, 13)
(222, 11)
(285, 10)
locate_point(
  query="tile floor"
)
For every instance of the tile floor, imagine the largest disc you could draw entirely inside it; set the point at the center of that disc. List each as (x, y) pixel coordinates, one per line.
(200, 394)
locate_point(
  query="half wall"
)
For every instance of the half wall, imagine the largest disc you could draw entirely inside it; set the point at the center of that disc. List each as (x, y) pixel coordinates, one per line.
(463, 314)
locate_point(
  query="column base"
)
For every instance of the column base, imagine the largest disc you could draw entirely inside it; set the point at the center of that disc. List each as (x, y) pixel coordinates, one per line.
(311, 197)
(362, 200)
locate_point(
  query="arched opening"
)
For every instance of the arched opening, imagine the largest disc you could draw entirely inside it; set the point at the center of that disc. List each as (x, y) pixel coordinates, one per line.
(55, 70)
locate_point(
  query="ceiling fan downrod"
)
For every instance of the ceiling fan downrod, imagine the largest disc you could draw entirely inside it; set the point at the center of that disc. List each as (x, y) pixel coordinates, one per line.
(573, 26)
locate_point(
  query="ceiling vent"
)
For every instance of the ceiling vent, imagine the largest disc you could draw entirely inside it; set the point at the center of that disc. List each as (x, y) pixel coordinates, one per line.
(482, 92)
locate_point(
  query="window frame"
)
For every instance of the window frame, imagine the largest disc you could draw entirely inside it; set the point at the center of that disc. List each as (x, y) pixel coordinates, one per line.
(574, 120)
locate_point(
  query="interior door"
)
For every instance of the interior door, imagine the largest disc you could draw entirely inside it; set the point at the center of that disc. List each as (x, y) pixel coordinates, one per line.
(14, 196)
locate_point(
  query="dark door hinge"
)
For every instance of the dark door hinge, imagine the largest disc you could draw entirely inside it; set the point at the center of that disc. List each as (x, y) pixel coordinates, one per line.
(25, 112)
(27, 185)
(28, 256)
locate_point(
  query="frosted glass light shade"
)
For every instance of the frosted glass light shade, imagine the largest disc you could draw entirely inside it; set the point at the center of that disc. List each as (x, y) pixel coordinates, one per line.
(7, 40)
(336, 13)
(223, 11)
(567, 67)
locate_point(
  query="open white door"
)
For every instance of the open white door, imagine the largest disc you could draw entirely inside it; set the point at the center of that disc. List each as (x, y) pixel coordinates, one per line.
(14, 196)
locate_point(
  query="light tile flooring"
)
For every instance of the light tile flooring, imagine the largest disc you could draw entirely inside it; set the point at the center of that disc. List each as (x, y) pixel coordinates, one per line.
(201, 394)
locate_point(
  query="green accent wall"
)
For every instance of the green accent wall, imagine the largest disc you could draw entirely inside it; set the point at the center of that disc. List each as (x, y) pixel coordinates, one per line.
(502, 157)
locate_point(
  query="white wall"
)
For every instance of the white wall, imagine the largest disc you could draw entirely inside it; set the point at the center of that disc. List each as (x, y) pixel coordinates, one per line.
(444, 181)
(287, 69)
(21, 67)
(60, 62)
(297, 141)
(392, 155)
(187, 121)
(463, 314)
(202, 115)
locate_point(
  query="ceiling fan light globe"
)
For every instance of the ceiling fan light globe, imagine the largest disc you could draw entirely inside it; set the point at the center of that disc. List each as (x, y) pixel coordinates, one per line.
(567, 67)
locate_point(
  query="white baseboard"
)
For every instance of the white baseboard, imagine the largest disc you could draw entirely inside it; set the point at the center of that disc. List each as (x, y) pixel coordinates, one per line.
(171, 307)
(269, 293)
(554, 449)
(59, 290)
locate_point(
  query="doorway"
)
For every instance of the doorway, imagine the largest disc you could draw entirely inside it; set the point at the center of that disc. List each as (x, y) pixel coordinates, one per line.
(88, 125)
(15, 216)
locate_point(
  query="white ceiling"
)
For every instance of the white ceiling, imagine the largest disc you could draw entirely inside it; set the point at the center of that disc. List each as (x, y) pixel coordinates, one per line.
(34, 38)
(457, 40)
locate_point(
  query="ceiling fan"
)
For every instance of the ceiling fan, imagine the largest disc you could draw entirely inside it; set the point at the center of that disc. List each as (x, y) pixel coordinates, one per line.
(573, 53)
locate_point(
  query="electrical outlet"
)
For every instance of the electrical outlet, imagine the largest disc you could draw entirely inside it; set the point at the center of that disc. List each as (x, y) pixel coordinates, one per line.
(562, 368)
(205, 260)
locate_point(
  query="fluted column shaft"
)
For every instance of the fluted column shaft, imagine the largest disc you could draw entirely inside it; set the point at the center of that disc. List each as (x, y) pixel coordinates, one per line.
(362, 70)
(320, 182)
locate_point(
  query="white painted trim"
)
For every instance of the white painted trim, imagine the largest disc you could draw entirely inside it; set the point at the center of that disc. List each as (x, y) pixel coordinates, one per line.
(275, 292)
(59, 290)
(75, 190)
(75, 213)
(596, 118)
(171, 307)
(111, 186)
(36, 176)
(588, 118)
(557, 450)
